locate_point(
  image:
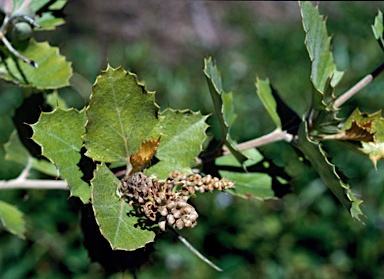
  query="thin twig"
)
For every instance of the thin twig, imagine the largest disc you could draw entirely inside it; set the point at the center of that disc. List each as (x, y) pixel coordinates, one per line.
(197, 253)
(36, 184)
(17, 54)
(274, 136)
(358, 86)
(25, 173)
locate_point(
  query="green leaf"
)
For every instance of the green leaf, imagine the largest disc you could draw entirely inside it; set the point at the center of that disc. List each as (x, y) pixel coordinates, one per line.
(111, 214)
(324, 75)
(53, 71)
(12, 219)
(183, 136)
(249, 185)
(59, 134)
(8, 169)
(378, 29)
(58, 5)
(54, 100)
(45, 15)
(33, 6)
(37, 5)
(318, 45)
(216, 89)
(48, 21)
(265, 94)
(328, 173)
(228, 108)
(16, 152)
(121, 115)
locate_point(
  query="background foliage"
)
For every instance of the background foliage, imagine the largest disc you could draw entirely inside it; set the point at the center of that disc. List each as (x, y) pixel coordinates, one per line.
(304, 235)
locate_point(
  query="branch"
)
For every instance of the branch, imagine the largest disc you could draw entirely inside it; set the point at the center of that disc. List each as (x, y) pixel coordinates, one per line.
(194, 251)
(358, 86)
(274, 136)
(37, 184)
(21, 182)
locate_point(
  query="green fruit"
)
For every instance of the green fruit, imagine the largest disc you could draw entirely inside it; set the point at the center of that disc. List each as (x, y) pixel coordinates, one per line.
(21, 31)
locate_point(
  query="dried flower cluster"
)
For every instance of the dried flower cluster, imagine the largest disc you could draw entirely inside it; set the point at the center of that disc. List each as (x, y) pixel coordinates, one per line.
(165, 201)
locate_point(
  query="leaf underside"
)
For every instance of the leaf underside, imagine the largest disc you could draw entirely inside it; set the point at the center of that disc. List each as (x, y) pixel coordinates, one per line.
(328, 173)
(324, 75)
(216, 89)
(265, 95)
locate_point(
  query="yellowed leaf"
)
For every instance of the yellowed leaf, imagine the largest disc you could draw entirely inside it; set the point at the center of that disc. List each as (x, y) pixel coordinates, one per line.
(141, 159)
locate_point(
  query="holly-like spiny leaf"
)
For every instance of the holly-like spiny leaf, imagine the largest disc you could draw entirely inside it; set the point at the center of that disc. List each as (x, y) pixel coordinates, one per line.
(324, 75)
(216, 89)
(111, 212)
(378, 29)
(121, 116)
(318, 45)
(53, 71)
(183, 136)
(283, 116)
(265, 95)
(46, 17)
(328, 173)
(12, 220)
(59, 134)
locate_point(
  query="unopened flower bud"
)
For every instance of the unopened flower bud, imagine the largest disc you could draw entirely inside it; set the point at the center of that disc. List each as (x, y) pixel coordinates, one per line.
(179, 224)
(176, 213)
(162, 225)
(171, 204)
(187, 223)
(170, 219)
(181, 203)
(163, 210)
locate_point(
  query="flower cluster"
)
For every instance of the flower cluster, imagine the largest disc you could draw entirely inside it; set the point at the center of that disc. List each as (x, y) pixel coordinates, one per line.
(165, 201)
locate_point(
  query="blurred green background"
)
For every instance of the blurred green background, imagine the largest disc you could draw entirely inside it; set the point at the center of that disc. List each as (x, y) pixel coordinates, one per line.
(307, 234)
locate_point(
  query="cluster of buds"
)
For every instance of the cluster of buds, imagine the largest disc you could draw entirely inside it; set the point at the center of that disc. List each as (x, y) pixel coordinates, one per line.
(165, 201)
